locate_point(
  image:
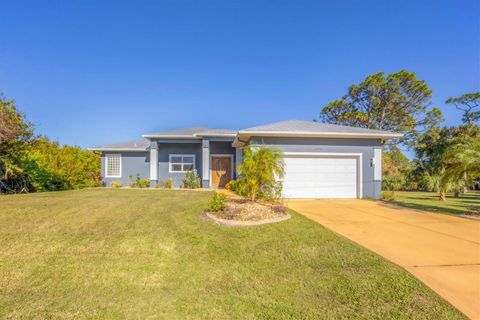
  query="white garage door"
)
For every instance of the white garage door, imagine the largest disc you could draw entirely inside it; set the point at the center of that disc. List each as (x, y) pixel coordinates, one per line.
(320, 177)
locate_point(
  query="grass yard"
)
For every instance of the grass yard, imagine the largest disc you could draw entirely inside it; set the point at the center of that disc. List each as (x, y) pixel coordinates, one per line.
(147, 254)
(428, 201)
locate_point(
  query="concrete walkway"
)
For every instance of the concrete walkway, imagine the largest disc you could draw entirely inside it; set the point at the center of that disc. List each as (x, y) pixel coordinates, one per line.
(442, 251)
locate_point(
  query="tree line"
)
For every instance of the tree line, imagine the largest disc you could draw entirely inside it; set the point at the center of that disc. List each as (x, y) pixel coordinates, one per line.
(30, 162)
(447, 159)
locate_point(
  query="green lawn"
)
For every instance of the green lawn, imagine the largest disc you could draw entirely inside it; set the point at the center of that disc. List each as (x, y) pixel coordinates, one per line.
(148, 254)
(428, 201)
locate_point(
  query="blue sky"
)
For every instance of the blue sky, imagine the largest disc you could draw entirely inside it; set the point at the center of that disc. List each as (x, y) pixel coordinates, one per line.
(95, 72)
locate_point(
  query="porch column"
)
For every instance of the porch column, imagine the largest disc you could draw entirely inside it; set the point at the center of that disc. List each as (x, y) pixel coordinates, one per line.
(238, 159)
(376, 163)
(205, 163)
(153, 164)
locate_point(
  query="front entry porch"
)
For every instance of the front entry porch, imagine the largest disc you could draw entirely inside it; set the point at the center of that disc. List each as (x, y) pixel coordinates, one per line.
(214, 159)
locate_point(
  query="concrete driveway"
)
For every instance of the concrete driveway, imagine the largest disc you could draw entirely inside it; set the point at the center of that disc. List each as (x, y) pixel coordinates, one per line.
(442, 251)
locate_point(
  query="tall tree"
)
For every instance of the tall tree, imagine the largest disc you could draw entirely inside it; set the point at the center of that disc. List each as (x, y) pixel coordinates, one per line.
(429, 149)
(396, 169)
(442, 156)
(469, 104)
(396, 102)
(462, 161)
(15, 136)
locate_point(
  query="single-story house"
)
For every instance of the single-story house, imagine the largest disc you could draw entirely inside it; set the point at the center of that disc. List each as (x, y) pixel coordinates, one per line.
(321, 160)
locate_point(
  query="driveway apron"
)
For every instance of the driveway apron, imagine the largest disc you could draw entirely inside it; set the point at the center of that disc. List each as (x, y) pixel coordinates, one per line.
(442, 251)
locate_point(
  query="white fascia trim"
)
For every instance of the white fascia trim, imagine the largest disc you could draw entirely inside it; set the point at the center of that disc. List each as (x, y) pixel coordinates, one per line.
(320, 134)
(336, 154)
(224, 156)
(193, 136)
(216, 135)
(117, 149)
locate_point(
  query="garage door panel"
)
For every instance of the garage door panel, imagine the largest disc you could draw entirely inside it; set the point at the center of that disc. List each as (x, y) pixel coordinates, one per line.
(320, 177)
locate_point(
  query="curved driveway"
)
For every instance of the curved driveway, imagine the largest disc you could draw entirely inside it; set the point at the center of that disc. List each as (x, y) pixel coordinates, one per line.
(442, 251)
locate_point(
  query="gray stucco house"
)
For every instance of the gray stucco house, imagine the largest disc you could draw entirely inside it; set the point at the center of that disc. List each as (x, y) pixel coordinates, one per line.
(321, 160)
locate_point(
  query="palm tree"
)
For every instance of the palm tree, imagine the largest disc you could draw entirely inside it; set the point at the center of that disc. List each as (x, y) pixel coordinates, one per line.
(462, 160)
(261, 166)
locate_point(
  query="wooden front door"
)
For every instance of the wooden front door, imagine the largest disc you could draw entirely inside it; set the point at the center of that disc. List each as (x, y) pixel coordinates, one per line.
(221, 171)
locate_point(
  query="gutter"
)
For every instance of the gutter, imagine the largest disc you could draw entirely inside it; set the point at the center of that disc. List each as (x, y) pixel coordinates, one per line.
(321, 134)
(227, 135)
(341, 135)
(165, 136)
(194, 136)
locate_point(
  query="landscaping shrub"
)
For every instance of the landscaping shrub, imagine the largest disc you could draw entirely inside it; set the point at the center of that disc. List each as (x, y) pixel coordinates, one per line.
(218, 202)
(116, 184)
(50, 166)
(271, 191)
(167, 183)
(191, 180)
(138, 182)
(232, 185)
(143, 183)
(388, 195)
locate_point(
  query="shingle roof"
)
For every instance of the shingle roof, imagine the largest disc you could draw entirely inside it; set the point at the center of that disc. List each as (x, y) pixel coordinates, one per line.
(191, 132)
(217, 132)
(302, 126)
(140, 144)
(188, 132)
(296, 128)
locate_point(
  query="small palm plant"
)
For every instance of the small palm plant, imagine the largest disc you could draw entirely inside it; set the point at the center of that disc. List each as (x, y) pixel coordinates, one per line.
(261, 168)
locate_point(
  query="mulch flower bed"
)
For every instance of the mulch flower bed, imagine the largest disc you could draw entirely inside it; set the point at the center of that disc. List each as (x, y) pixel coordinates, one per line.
(244, 212)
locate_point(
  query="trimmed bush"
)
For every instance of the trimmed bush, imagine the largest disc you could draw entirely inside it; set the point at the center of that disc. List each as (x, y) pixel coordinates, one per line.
(191, 180)
(217, 203)
(138, 182)
(271, 191)
(388, 195)
(167, 183)
(232, 185)
(116, 184)
(143, 183)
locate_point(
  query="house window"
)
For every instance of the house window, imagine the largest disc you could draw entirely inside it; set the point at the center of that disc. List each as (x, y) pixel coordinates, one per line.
(113, 166)
(182, 162)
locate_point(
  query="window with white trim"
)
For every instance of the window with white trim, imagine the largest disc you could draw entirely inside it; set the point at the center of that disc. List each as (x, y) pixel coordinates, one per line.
(113, 166)
(181, 162)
